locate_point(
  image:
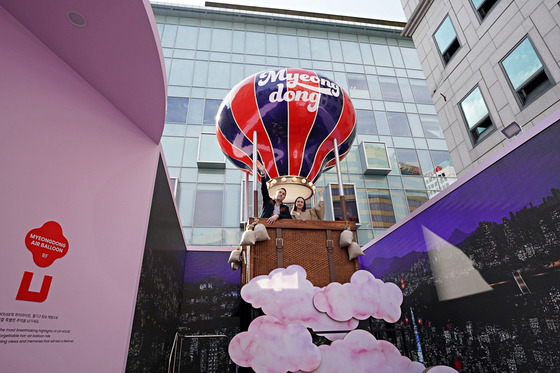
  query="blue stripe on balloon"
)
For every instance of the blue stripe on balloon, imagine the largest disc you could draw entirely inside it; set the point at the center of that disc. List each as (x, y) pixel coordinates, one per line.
(233, 133)
(328, 116)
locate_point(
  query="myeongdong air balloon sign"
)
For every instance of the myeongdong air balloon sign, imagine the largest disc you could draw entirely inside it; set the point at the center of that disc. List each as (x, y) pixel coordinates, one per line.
(297, 115)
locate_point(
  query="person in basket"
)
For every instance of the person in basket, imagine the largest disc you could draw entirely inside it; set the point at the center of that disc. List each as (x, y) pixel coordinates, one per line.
(273, 209)
(301, 212)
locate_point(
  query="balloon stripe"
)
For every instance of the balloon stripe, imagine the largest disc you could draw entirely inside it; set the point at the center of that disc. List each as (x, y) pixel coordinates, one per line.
(234, 153)
(329, 116)
(296, 114)
(303, 100)
(233, 134)
(273, 124)
(338, 132)
(245, 110)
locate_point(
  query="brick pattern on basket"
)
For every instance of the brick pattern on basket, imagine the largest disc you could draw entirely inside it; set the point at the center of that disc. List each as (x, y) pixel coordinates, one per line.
(304, 244)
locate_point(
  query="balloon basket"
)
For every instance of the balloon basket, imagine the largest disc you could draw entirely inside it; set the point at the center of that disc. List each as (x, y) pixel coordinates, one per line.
(313, 244)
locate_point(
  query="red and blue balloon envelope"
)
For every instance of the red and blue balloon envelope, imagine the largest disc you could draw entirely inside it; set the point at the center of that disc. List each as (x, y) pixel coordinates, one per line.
(297, 114)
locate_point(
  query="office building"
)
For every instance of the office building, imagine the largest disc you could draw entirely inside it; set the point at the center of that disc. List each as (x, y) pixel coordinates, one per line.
(397, 161)
(489, 64)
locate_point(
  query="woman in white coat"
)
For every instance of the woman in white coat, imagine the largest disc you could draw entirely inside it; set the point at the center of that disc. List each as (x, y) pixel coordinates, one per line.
(301, 212)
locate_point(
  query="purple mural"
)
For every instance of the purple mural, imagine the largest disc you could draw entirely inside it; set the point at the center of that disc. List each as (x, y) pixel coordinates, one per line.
(211, 309)
(479, 268)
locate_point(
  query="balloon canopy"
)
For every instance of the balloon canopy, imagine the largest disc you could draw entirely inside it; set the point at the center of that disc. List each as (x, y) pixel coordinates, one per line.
(296, 114)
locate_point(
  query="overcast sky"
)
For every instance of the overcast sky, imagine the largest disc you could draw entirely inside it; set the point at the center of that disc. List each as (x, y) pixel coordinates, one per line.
(376, 9)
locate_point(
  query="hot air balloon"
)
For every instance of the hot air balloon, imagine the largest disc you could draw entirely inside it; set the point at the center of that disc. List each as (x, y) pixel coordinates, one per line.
(297, 115)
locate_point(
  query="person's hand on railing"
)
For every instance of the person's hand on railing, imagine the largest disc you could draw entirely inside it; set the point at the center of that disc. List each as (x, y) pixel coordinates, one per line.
(272, 219)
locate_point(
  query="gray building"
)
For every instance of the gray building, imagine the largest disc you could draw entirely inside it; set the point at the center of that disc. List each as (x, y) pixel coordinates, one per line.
(399, 160)
(488, 64)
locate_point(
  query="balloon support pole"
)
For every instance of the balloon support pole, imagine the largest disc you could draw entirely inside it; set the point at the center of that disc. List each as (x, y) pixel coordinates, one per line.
(255, 192)
(339, 176)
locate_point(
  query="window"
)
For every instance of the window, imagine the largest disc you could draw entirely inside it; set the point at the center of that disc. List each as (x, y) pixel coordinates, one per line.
(351, 52)
(381, 208)
(381, 55)
(444, 171)
(431, 126)
(173, 181)
(408, 162)
(210, 154)
(420, 92)
(390, 88)
(365, 122)
(255, 43)
(374, 157)
(415, 198)
(287, 46)
(475, 113)
(398, 124)
(177, 109)
(208, 205)
(526, 73)
(446, 40)
(210, 111)
(319, 49)
(221, 40)
(196, 109)
(350, 201)
(483, 7)
(357, 86)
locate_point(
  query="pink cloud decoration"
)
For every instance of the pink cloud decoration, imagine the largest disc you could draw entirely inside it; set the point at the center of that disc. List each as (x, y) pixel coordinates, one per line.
(362, 297)
(360, 352)
(272, 347)
(287, 295)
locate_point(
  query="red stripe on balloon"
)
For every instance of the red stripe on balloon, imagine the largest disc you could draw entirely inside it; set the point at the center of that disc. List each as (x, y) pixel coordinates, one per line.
(246, 112)
(300, 118)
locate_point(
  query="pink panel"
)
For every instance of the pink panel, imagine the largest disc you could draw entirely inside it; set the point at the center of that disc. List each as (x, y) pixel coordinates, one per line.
(117, 51)
(68, 156)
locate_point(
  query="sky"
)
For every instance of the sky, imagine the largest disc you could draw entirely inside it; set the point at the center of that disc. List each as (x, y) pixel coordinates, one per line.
(390, 10)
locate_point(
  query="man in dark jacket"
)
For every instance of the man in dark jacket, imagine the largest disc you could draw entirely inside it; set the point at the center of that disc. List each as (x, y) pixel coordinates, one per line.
(273, 209)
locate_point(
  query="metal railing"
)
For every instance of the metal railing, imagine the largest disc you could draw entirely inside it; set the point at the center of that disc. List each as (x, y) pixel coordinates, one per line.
(199, 353)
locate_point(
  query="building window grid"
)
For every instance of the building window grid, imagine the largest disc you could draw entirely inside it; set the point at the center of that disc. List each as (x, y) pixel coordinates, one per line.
(334, 69)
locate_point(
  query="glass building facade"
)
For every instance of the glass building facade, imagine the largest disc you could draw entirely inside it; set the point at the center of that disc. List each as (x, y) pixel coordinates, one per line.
(398, 161)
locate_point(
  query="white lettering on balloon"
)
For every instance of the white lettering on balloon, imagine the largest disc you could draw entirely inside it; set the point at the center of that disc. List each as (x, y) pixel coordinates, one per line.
(292, 80)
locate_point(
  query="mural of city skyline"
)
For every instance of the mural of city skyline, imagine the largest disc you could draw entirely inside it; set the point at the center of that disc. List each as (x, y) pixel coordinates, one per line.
(210, 312)
(158, 303)
(480, 267)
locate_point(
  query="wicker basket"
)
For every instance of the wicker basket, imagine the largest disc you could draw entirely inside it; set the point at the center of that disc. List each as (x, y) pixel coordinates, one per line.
(304, 243)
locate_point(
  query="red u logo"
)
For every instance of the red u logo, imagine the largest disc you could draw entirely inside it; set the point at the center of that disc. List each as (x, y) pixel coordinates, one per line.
(25, 294)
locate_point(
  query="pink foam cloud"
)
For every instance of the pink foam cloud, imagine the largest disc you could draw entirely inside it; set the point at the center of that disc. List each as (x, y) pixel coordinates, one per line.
(360, 352)
(273, 347)
(362, 297)
(287, 295)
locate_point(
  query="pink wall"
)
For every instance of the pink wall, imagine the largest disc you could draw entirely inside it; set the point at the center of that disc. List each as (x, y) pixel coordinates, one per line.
(68, 155)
